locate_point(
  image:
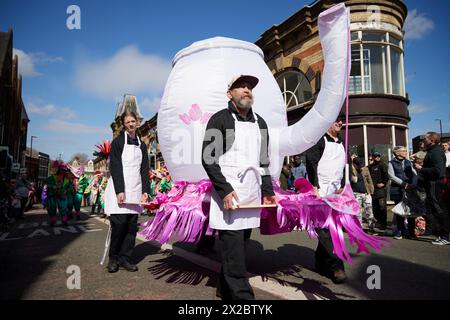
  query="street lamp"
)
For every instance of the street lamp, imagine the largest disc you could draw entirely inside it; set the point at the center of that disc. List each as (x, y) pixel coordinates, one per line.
(440, 128)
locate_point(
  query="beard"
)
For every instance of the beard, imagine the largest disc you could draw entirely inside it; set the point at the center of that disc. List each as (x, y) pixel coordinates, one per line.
(244, 103)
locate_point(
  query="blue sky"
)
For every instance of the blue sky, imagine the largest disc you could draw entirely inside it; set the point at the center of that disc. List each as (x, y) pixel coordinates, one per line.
(73, 79)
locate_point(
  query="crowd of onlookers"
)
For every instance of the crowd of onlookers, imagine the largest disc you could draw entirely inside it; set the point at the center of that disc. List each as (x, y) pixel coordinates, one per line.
(16, 197)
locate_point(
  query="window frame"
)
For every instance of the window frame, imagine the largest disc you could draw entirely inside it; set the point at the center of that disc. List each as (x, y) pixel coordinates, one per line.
(294, 93)
(359, 44)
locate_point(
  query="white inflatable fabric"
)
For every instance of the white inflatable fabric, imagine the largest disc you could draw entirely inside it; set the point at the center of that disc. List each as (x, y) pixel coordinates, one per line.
(196, 89)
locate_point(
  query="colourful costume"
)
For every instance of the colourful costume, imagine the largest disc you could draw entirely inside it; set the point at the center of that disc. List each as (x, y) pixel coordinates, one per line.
(57, 186)
(80, 183)
(164, 185)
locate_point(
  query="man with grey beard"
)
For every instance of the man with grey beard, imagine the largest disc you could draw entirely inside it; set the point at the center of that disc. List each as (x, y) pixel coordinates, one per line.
(235, 157)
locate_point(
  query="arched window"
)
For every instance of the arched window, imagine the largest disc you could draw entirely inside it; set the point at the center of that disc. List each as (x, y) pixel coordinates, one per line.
(295, 87)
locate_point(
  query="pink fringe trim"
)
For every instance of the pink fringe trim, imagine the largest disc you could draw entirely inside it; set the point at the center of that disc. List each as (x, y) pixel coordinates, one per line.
(184, 210)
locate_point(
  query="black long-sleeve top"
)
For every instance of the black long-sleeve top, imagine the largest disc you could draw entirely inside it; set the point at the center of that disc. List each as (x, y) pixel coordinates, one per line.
(313, 156)
(224, 122)
(434, 164)
(116, 168)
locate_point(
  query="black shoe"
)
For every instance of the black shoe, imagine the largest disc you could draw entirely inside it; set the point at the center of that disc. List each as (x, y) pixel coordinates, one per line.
(113, 266)
(339, 276)
(128, 266)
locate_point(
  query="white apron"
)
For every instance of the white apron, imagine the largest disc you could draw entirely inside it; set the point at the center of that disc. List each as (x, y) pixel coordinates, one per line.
(330, 168)
(131, 163)
(240, 167)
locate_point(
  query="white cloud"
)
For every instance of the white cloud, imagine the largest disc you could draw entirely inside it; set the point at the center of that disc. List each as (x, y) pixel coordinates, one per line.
(29, 61)
(48, 110)
(128, 71)
(26, 64)
(41, 58)
(417, 26)
(418, 108)
(151, 105)
(66, 127)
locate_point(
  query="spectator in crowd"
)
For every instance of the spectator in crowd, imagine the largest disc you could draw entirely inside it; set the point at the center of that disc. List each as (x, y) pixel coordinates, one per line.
(22, 190)
(379, 173)
(432, 173)
(298, 170)
(284, 177)
(403, 179)
(445, 148)
(362, 186)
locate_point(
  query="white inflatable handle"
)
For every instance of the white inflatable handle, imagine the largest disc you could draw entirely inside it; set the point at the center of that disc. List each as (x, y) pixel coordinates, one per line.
(333, 31)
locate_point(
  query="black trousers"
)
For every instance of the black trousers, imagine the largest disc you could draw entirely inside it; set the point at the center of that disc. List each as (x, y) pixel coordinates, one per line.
(380, 210)
(326, 260)
(233, 283)
(206, 242)
(123, 236)
(437, 211)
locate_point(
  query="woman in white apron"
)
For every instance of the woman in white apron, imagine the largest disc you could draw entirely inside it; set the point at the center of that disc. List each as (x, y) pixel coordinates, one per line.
(127, 189)
(239, 171)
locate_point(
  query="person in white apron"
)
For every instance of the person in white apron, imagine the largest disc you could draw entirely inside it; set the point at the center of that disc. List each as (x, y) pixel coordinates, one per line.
(325, 163)
(126, 190)
(238, 170)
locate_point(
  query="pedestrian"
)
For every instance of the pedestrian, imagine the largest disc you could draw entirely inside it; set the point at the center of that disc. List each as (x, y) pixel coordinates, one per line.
(44, 196)
(432, 173)
(298, 169)
(285, 177)
(362, 186)
(22, 191)
(379, 173)
(126, 192)
(445, 147)
(96, 192)
(325, 163)
(237, 163)
(403, 182)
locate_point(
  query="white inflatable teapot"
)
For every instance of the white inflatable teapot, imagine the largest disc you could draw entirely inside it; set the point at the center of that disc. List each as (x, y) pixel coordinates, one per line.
(197, 86)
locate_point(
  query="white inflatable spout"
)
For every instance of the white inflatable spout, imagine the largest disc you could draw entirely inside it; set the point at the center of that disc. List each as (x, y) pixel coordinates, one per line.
(333, 31)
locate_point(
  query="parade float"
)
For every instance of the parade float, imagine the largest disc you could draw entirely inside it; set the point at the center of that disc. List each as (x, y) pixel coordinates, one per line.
(196, 89)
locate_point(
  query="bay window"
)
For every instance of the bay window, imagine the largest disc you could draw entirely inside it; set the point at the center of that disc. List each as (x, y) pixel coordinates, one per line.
(377, 63)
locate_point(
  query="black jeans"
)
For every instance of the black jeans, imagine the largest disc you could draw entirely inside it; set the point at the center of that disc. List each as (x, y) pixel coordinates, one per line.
(123, 236)
(233, 283)
(437, 211)
(380, 210)
(326, 260)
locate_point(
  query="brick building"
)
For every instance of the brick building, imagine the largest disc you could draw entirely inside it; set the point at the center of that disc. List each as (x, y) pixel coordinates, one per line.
(378, 102)
(13, 116)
